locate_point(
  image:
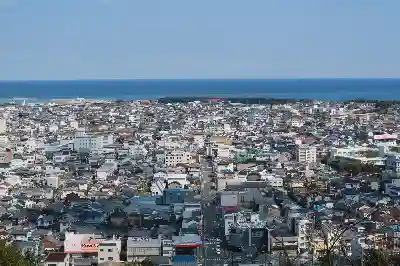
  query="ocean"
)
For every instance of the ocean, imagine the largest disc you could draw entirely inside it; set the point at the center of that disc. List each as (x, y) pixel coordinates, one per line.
(319, 89)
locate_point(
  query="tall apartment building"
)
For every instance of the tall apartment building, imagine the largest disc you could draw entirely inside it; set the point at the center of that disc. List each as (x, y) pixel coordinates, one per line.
(3, 126)
(393, 162)
(177, 157)
(303, 232)
(91, 142)
(306, 153)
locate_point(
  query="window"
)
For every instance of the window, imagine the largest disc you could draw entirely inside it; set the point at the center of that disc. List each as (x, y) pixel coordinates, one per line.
(257, 234)
(110, 258)
(110, 250)
(101, 258)
(101, 249)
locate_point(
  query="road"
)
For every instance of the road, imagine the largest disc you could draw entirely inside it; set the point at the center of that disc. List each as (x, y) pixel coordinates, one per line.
(208, 207)
(209, 212)
(213, 226)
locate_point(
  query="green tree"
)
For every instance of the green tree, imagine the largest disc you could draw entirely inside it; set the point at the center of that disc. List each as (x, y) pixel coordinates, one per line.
(353, 168)
(371, 169)
(31, 259)
(11, 256)
(145, 262)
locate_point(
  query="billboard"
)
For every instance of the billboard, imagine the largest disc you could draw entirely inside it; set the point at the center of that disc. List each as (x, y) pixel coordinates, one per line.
(230, 209)
(385, 137)
(81, 243)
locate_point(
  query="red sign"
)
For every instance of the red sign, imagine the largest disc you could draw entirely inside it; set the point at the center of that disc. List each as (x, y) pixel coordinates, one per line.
(90, 246)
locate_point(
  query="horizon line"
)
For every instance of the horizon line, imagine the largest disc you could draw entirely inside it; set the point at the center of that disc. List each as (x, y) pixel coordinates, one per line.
(198, 79)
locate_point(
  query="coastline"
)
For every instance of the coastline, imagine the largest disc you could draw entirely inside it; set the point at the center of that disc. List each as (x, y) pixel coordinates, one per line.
(166, 100)
(108, 90)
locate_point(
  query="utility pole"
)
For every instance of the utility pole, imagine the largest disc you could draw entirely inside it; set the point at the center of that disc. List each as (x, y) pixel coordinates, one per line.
(362, 256)
(312, 239)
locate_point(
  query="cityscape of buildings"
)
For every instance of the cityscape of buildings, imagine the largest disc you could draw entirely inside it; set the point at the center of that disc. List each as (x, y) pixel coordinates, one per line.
(200, 183)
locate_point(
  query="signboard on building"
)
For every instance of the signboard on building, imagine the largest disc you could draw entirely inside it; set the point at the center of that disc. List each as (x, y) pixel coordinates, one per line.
(385, 137)
(81, 243)
(90, 245)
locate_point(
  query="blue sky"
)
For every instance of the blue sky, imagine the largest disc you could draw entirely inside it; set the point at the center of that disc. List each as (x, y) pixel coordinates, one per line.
(84, 39)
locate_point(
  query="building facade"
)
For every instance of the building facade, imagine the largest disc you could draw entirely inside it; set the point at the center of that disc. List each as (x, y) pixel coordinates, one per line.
(109, 250)
(306, 153)
(177, 157)
(140, 248)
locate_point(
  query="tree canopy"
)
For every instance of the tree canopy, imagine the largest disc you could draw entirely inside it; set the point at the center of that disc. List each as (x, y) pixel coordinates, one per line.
(145, 262)
(11, 256)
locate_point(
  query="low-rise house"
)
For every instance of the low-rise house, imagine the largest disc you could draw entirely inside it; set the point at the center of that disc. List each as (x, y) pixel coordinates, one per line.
(45, 221)
(57, 259)
(138, 249)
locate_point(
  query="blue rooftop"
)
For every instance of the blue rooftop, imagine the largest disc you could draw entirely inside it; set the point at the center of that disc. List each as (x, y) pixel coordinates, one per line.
(184, 259)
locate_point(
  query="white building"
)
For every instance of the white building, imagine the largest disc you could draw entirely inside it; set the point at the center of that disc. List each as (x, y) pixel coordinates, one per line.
(3, 140)
(53, 128)
(92, 143)
(5, 155)
(52, 181)
(177, 157)
(81, 243)
(225, 151)
(273, 181)
(140, 248)
(109, 250)
(302, 230)
(229, 198)
(105, 170)
(3, 126)
(137, 150)
(74, 124)
(306, 153)
(296, 122)
(158, 185)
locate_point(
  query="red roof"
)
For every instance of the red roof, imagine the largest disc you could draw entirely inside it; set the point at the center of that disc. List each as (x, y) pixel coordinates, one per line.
(189, 245)
(56, 257)
(47, 244)
(230, 209)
